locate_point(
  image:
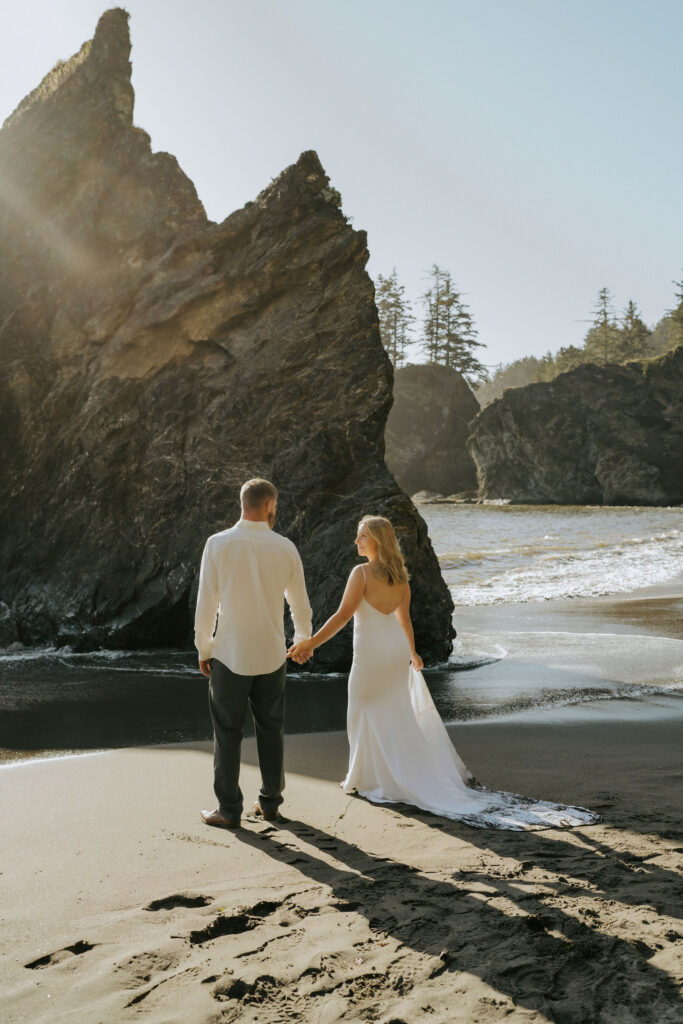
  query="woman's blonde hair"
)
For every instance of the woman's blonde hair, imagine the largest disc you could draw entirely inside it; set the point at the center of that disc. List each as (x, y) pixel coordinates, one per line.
(390, 564)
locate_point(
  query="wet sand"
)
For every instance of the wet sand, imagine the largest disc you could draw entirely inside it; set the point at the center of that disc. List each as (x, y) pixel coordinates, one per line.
(118, 904)
(651, 611)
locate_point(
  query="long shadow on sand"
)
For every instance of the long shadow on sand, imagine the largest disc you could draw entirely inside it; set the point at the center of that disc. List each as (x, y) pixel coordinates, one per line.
(542, 956)
(588, 867)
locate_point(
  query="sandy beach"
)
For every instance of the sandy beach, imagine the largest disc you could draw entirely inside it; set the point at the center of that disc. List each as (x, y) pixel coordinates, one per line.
(118, 903)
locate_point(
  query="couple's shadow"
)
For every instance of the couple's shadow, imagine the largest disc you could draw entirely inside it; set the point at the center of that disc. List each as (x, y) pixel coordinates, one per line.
(544, 957)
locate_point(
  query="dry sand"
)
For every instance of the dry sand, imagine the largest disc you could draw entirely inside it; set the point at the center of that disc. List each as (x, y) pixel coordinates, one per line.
(118, 904)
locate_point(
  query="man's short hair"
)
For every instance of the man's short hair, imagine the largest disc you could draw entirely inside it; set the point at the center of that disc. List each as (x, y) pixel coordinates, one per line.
(257, 491)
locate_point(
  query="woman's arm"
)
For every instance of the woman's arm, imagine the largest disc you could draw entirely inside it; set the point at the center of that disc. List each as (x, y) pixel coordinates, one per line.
(353, 594)
(403, 616)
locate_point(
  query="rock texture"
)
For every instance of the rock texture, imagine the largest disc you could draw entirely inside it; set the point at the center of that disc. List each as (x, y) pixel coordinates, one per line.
(152, 360)
(598, 435)
(427, 430)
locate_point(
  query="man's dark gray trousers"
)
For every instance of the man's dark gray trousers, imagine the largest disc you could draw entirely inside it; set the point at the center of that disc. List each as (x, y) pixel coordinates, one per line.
(229, 695)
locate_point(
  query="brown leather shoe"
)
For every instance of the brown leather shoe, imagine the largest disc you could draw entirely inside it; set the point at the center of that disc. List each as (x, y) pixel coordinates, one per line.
(267, 815)
(218, 820)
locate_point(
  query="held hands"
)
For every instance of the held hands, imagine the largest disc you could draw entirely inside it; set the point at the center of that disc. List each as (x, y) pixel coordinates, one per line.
(301, 652)
(416, 661)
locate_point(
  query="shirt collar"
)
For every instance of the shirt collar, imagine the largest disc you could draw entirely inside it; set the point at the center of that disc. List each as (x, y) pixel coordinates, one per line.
(250, 525)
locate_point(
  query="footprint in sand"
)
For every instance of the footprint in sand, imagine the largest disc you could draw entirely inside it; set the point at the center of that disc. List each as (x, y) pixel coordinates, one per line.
(179, 900)
(243, 920)
(60, 954)
(139, 969)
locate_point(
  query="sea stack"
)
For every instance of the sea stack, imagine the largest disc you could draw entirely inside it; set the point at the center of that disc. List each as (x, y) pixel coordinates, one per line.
(153, 360)
(597, 435)
(427, 430)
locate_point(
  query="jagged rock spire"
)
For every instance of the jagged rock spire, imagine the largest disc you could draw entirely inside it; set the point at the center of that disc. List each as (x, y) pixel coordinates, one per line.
(151, 361)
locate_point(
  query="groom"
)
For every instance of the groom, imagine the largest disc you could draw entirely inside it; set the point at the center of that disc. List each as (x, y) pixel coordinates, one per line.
(246, 572)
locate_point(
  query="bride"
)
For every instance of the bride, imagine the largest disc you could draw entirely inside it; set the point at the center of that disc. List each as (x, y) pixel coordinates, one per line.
(400, 751)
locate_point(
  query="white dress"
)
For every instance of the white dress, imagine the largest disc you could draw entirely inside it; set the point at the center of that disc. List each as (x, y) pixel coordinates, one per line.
(400, 751)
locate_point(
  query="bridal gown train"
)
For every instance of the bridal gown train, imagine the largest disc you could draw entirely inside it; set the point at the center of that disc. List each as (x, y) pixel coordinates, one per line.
(400, 750)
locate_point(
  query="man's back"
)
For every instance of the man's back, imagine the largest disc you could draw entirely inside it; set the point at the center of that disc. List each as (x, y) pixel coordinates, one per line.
(246, 573)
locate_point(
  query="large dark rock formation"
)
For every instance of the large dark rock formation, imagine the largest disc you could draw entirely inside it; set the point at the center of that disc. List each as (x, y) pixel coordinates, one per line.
(427, 430)
(152, 361)
(598, 435)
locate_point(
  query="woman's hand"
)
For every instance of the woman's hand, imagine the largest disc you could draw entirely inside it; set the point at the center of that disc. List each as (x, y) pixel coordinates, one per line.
(416, 661)
(301, 651)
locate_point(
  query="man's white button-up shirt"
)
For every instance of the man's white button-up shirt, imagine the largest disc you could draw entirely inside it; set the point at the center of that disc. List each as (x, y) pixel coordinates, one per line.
(246, 573)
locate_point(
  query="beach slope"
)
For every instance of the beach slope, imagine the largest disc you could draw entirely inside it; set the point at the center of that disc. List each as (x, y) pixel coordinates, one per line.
(118, 903)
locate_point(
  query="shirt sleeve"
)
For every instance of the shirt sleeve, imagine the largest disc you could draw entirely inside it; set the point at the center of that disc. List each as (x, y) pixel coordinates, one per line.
(298, 602)
(207, 605)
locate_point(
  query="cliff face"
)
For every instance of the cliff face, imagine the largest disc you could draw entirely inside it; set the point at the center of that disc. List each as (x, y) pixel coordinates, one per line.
(598, 435)
(427, 430)
(151, 361)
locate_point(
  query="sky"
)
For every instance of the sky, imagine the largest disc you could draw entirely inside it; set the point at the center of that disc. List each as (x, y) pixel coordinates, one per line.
(533, 148)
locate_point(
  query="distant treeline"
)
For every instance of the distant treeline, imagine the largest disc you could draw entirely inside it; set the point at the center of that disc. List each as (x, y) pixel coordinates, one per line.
(446, 334)
(610, 338)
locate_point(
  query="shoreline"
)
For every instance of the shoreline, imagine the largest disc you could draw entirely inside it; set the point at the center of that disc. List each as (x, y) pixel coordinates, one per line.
(552, 650)
(657, 609)
(668, 591)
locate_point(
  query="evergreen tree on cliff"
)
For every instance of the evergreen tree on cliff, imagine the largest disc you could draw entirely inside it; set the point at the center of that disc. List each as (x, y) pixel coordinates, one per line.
(609, 339)
(606, 341)
(635, 334)
(507, 375)
(603, 340)
(395, 317)
(661, 336)
(675, 337)
(449, 334)
(566, 358)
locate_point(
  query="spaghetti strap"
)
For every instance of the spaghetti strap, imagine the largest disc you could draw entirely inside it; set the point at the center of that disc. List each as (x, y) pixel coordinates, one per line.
(365, 579)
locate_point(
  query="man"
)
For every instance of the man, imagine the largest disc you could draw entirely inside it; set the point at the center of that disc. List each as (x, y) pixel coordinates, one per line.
(246, 573)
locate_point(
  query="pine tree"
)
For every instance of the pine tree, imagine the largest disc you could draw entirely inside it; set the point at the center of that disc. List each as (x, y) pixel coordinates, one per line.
(635, 334)
(449, 334)
(568, 358)
(676, 315)
(602, 342)
(660, 338)
(545, 368)
(506, 375)
(395, 317)
(434, 315)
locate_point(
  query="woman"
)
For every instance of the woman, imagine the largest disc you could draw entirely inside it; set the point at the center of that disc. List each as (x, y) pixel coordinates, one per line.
(400, 751)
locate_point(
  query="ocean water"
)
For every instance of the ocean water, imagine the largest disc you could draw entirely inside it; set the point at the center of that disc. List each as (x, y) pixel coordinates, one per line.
(496, 555)
(493, 554)
(57, 701)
